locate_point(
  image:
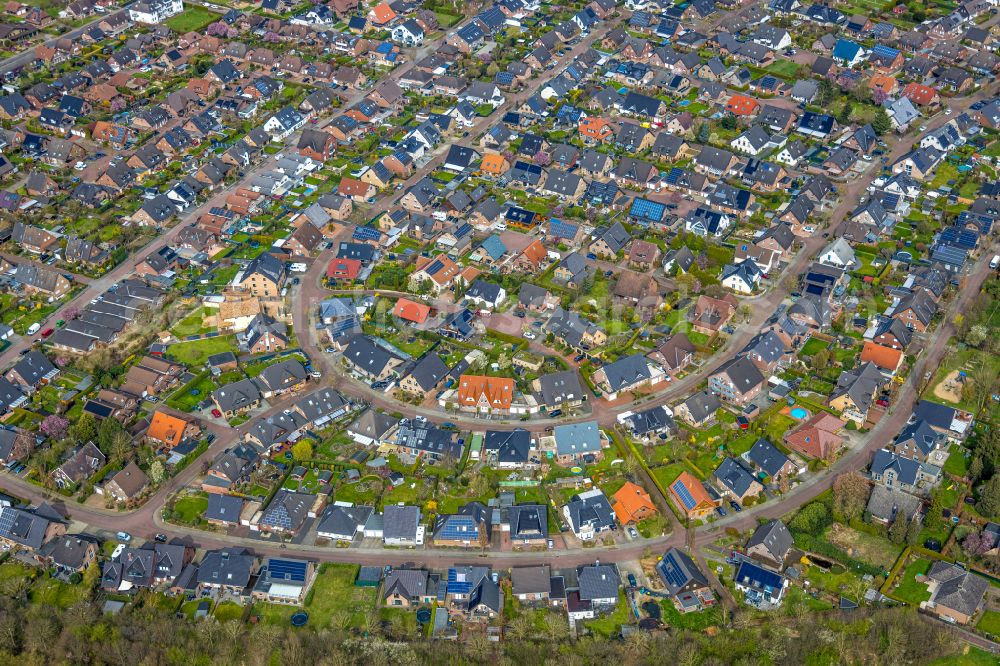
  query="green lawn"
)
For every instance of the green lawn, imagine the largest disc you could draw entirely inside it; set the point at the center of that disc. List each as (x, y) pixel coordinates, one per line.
(447, 20)
(187, 397)
(812, 346)
(610, 625)
(197, 351)
(909, 590)
(228, 610)
(191, 19)
(711, 617)
(786, 69)
(333, 601)
(191, 325)
(57, 593)
(971, 656)
(10, 571)
(990, 623)
(957, 463)
(189, 509)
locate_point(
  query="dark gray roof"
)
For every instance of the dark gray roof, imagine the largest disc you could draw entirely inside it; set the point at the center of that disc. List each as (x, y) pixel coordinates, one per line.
(344, 520)
(230, 567)
(766, 456)
(591, 509)
(702, 404)
(775, 537)
(400, 522)
(598, 581)
(958, 589)
(528, 522)
(734, 476)
(627, 371)
(223, 508)
(429, 371)
(654, 419)
(559, 387)
(679, 572)
(510, 446)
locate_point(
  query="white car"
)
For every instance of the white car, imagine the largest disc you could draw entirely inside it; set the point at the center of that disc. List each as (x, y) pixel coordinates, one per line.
(947, 112)
(528, 335)
(923, 128)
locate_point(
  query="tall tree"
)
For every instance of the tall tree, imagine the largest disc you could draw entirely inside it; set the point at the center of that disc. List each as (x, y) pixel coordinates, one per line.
(989, 497)
(850, 495)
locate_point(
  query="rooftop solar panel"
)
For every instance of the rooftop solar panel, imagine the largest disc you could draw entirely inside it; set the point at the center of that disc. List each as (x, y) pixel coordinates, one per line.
(684, 494)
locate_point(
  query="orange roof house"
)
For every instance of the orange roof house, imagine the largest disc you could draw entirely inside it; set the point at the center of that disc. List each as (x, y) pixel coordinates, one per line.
(595, 129)
(886, 358)
(817, 437)
(887, 83)
(494, 164)
(920, 94)
(485, 393)
(532, 258)
(355, 189)
(346, 270)
(381, 14)
(741, 105)
(411, 311)
(632, 504)
(691, 498)
(167, 429)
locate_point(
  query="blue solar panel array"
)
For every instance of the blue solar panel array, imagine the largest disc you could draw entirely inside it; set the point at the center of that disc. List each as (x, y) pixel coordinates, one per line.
(684, 494)
(751, 575)
(435, 266)
(458, 528)
(291, 570)
(561, 229)
(366, 233)
(883, 51)
(960, 237)
(647, 210)
(674, 175)
(672, 571)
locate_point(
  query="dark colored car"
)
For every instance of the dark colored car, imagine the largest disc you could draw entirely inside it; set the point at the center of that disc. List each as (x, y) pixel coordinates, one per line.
(736, 507)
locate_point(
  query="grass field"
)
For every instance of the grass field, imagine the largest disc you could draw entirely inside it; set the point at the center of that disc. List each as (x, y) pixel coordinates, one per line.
(909, 590)
(990, 623)
(228, 610)
(610, 625)
(970, 656)
(866, 547)
(197, 351)
(333, 601)
(57, 593)
(191, 325)
(786, 69)
(447, 20)
(812, 346)
(957, 463)
(191, 19)
(184, 400)
(189, 509)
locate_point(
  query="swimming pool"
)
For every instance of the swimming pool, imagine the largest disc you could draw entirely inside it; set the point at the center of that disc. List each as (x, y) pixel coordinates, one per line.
(798, 413)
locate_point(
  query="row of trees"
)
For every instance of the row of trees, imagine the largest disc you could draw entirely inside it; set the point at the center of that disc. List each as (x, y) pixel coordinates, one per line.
(146, 633)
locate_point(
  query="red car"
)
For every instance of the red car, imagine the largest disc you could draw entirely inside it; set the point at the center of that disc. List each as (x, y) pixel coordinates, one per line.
(47, 332)
(216, 413)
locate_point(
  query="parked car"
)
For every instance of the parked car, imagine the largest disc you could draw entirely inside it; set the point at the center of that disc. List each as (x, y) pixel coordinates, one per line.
(216, 413)
(719, 510)
(736, 507)
(160, 538)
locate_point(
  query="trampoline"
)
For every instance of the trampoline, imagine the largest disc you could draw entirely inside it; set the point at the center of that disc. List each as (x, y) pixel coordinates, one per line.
(424, 615)
(300, 619)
